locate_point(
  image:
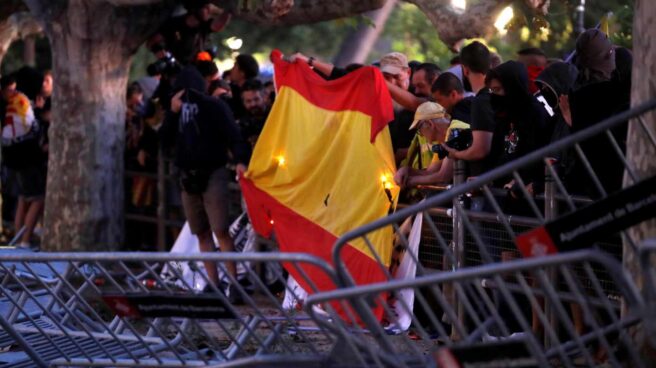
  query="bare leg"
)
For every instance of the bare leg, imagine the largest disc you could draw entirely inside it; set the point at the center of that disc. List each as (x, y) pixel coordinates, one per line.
(577, 317)
(227, 245)
(21, 210)
(206, 244)
(34, 211)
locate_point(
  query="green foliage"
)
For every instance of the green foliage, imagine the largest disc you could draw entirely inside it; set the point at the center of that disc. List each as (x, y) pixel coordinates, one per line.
(321, 39)
(409, 31)
(555, 33)
(140, 62)
(13, 60)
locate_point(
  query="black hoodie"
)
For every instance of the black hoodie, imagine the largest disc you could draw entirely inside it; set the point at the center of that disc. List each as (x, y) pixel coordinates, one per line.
(555, 80)
(520, 118)
(204, 130)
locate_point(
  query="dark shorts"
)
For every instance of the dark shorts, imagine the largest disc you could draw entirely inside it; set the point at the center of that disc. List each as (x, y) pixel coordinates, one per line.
(209, 210)
(32, 182)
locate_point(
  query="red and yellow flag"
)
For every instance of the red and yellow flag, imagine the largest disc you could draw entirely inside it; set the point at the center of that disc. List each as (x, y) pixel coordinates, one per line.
(323, 166)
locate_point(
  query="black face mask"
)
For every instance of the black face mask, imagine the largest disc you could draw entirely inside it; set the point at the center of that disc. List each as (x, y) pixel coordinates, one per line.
(500, 103)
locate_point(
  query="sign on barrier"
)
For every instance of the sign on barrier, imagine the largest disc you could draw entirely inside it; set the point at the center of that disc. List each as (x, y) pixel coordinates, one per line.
(581, 228)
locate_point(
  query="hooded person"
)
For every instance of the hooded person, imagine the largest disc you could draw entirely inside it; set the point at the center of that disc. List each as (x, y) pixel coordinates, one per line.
(520, 117)
(557, 80)
(595, 57)
(595, 97)
(202, 131)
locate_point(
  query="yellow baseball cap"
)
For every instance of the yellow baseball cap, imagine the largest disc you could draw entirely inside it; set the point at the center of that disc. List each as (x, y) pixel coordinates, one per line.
(426, 111)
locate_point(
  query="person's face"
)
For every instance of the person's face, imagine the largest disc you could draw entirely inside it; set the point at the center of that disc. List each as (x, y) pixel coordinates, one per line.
(432, 129)
(421, 85)
(253, 102)
(135, 99)
(46, 89)
(496, 87)
(401, 80)
(8, 91)
(203, 13)
(211, 78)
(236, 75)
(447, 101)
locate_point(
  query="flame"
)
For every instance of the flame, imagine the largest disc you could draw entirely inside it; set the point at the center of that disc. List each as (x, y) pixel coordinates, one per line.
(386, 179)
(281, 160)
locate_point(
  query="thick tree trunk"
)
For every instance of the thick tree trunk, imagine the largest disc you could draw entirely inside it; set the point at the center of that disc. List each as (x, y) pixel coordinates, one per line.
(84, 202)
(640, 150)
(358, 44)
(92, 43)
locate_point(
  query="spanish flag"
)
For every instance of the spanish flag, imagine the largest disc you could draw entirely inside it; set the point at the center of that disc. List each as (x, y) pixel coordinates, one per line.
(323, 165)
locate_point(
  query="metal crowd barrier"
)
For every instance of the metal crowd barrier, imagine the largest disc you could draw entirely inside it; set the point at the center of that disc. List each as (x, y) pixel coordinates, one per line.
(468, 242)
(469, 225)
(120, 309)
(494, 327)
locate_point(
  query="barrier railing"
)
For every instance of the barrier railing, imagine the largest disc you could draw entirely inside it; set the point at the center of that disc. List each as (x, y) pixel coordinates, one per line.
(472, 207)
(145, 309)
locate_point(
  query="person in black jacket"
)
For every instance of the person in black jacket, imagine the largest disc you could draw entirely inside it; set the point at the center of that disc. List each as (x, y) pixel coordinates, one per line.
(202, 130)
(600, 92)
(520, 124)
(553, 82)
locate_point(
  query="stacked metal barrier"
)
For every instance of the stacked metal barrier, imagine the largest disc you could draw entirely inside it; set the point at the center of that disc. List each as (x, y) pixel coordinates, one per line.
(103, 309)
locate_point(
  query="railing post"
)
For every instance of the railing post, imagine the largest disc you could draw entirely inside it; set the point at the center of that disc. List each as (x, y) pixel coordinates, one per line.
(161, 201)
(550, 213)
(458, 240)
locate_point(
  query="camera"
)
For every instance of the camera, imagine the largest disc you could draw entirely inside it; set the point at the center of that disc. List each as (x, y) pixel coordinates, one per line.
(459, 139)
(167, 65)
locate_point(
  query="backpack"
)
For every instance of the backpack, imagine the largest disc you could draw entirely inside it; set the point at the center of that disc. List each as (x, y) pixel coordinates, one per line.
(21, 134)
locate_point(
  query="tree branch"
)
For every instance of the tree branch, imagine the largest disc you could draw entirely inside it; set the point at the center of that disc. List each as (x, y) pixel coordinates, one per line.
(132, 2)
(17, 26)
(452, 26)
(302, 12)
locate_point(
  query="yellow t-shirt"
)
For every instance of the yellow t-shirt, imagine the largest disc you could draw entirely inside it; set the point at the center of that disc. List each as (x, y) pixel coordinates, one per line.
(455, 124)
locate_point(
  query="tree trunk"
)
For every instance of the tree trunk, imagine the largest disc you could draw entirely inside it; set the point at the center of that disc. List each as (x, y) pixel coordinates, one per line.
(92, 44)
(640, 150)
(358, 44)
(84, 202)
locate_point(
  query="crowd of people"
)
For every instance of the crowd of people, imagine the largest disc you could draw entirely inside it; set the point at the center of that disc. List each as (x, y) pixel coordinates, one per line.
(478, 110)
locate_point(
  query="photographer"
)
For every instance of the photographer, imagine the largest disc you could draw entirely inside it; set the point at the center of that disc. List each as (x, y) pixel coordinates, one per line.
(432, 122)
(186, 35)
(202, 130)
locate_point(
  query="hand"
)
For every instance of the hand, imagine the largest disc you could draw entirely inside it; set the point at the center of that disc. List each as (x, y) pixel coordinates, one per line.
(452, 152)
(509, 185)
(176, 102)
(529, 189)
(240, 169)
(298, 56)
(401, 176)
(39, 102)
(563, 105)
(141, 157)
